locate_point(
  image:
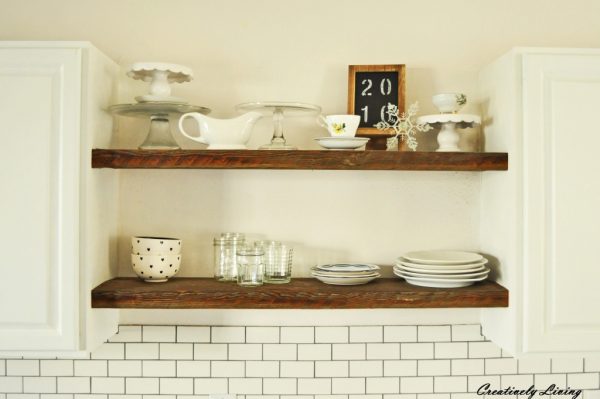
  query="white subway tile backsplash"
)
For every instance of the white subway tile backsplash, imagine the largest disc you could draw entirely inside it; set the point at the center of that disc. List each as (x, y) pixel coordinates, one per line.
(227, 368)
(281, 362)
(73, 385)
(245, 386)
(400, 333)
(467, 332)
(280, 352)
(245, 352)
(267, 368)
(433, 333)
(139, 351)
(193, 368)
(451, 350)
(584, 381)
(206, 386)
(210, 351)
(193, 334)
(314, 352)
(297, 335)
(20, 367)
(468, 366)
(335, 368)
(501, 366)
(158, 368)
(383, 385)
(416, 385)
(108, 385)
(366, 334)
(433, 367)
(332, 334)
(63, 368)
(567, 365)
(366, 368)
(228, 334)
(176, 386)
(400, 368)
(262, 335)
(11, 384)
(297, 369)
(124, 368)
(348, 385)
(177, 351)
(383, 351)
(39, 384)
(279, 386)
(348, 351)
(144, 386)
(127, 334)
(416, 351)
(483, 350)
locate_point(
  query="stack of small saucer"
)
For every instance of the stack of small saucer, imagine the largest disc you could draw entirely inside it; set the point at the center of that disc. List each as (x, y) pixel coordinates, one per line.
(441, 269)
(346, 273)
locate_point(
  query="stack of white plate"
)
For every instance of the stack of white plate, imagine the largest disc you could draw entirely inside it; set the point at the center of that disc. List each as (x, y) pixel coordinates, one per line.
(441, 269)
(346, 273)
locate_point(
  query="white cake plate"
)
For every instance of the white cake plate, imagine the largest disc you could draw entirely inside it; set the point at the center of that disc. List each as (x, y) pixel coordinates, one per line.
(448, 136)
(160, 75)
(278, 109)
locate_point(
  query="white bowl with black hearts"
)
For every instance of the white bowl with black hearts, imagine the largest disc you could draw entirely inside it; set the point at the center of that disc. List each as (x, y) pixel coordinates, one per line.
(155, 246)
(155, 268)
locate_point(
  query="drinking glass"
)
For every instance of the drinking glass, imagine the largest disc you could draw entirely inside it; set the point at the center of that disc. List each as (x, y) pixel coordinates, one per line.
(225, 255)
(278, 261)
(251, 266)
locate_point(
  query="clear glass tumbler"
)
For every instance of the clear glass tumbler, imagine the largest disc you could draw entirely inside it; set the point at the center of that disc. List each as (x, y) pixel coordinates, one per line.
(225, 255)
(251, 266)
(278, 261)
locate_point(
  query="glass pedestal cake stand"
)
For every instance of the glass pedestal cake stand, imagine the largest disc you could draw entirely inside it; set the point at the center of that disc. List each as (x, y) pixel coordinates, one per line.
(278, 110)
(448, 123)
(159, 135)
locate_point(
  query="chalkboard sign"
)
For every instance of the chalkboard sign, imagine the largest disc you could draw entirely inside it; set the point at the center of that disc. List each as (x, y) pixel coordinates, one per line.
(370, 89)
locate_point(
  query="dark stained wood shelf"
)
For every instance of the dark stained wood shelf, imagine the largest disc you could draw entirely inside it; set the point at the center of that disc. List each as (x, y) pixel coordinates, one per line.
(308, 159)
(301, 293)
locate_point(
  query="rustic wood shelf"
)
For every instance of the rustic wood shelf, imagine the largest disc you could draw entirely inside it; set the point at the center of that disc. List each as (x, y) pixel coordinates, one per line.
(309, 159)
(301, 293)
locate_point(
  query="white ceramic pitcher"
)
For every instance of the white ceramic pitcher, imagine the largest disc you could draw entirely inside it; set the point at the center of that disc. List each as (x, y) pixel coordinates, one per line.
(222, 134)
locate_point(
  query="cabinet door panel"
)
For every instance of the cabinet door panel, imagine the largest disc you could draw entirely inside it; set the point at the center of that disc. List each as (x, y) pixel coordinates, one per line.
(39, 103)
(562, 220)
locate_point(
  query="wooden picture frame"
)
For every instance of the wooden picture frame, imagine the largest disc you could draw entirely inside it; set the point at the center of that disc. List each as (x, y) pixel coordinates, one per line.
(373, 90)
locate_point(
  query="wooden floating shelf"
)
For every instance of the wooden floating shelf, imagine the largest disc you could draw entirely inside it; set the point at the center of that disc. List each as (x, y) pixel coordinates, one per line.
(301, 293)
(309, 159)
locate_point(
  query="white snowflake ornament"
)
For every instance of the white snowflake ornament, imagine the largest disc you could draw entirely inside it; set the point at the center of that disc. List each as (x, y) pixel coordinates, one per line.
(403, 126)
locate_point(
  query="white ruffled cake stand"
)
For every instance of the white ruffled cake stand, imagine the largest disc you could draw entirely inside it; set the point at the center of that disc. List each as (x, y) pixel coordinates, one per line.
(448, 123)
(160, 75)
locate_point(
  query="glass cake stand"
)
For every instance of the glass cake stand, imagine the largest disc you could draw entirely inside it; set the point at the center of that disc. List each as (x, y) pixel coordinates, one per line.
(159, 135)
(278, 109)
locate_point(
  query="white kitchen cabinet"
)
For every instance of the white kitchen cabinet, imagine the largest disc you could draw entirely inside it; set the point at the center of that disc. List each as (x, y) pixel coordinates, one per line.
(541, 219)
(58, 215)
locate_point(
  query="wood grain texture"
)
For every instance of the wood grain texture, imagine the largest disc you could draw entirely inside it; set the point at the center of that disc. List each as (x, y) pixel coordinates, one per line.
(301, 293)
(311, 160)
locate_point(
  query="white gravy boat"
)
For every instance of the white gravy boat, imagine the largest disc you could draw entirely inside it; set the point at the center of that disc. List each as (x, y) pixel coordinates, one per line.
(222, 134)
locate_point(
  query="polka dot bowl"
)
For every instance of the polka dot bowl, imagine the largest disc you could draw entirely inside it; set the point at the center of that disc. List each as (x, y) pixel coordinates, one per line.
(155, 246)
(155, 268)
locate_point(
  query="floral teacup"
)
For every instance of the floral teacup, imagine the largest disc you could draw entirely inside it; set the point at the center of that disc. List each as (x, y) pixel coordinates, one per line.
(340, 125)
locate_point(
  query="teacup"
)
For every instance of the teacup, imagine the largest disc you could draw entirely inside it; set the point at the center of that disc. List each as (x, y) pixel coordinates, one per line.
(340, 125)
(449, 103)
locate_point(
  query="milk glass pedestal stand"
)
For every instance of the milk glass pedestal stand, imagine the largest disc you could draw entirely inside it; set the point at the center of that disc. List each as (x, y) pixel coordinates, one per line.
(278, 109)
(159, 135)
(448, 123)
(160, 75)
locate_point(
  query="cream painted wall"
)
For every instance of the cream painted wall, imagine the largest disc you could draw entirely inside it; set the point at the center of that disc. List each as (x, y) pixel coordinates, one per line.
(299, 51)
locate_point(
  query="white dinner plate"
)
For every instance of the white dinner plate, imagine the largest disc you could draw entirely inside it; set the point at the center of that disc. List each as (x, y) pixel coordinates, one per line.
(334, 274)
(404, 262)
(348, 267)
(345, 281)
(482, 273)
(443, 257)
(440, 270)
(342, 143)
(437, 282)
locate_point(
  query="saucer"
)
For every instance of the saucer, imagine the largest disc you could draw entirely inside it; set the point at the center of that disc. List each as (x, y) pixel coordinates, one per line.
(342, 143)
